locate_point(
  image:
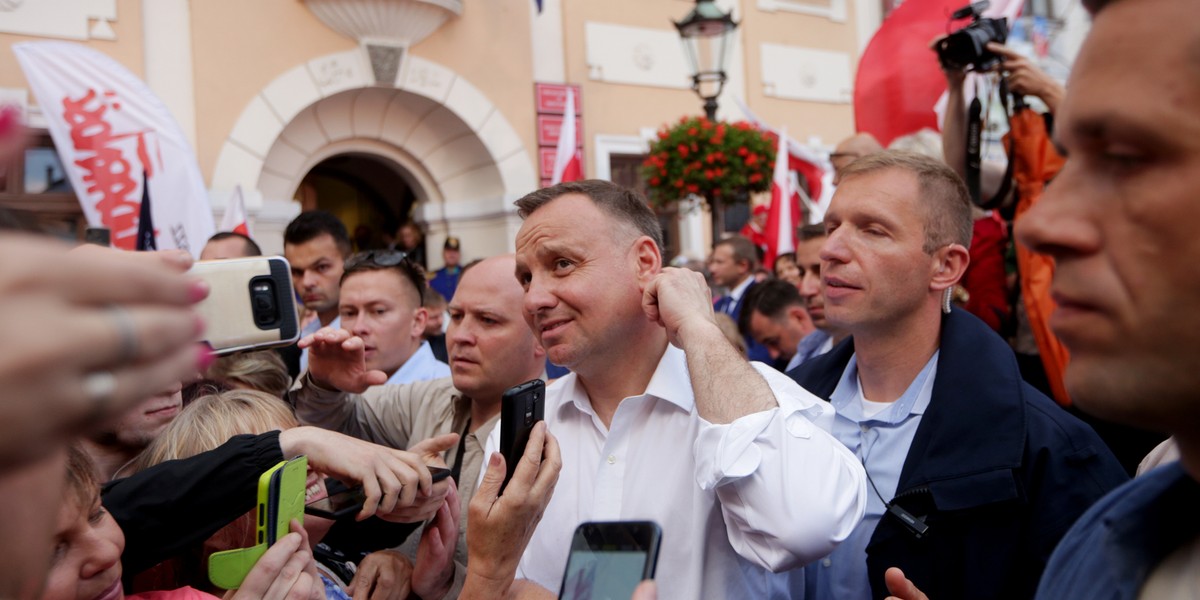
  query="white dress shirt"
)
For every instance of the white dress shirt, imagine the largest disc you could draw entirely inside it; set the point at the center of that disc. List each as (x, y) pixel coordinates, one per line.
(769, 492)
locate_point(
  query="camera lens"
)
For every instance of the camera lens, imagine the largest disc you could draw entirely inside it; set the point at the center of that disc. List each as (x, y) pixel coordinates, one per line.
(262, 303)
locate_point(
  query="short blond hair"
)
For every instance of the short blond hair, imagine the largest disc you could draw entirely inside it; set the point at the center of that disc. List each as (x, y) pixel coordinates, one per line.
(212, 419)
(943, 195)
(262, 370)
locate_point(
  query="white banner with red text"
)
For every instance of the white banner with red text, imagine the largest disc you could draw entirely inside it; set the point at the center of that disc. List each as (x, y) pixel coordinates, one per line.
(114, 136)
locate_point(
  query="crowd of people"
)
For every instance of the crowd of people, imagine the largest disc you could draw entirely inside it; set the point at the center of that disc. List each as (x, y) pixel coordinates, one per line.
(849, 425)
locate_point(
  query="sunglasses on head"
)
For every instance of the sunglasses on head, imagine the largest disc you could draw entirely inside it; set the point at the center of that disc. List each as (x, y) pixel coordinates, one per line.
(382, 258)
(390, 258)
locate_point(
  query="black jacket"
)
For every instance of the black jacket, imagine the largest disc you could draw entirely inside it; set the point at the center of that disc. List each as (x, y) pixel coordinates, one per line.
(998, 471)
(180, 503)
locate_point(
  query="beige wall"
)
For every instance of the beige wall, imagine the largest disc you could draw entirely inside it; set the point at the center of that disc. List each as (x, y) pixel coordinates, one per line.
(127, 49)
(238, 48)
(624, 109)
(613, 108)
(489, 46)
(235, 59)
(831, 122)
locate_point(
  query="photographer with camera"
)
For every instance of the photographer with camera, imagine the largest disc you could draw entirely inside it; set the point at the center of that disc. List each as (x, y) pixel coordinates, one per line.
(1034, 161)
(979, 48)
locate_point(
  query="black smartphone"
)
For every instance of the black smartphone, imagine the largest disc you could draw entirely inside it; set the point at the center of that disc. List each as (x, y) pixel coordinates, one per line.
(520, 408)
(608, 560)
(98, 235)
(342, 502)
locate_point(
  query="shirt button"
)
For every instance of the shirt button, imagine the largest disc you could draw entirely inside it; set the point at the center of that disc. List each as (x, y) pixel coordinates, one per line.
(825, 562)
(864, 428)
(612, 460)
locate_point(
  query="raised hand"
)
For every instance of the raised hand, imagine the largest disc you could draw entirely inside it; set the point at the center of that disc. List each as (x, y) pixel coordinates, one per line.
(337, 359)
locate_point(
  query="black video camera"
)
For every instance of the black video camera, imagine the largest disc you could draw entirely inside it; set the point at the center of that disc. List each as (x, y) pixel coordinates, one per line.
(967, 47)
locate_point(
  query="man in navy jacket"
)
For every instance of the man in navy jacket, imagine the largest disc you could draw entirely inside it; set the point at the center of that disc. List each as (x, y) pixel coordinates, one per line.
(974, 475)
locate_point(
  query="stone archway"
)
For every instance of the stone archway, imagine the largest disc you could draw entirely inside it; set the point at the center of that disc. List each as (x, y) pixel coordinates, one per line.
(465, 159)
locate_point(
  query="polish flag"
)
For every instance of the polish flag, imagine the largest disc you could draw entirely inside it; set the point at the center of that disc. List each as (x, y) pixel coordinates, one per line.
(784, 213)
(235, 214)
(567, 165)
(814, 166)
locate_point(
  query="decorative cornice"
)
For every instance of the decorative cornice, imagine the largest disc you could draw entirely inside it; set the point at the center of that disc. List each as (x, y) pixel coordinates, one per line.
(393, 22)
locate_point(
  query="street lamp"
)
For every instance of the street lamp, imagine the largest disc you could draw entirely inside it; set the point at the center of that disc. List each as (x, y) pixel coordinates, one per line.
(707, 35)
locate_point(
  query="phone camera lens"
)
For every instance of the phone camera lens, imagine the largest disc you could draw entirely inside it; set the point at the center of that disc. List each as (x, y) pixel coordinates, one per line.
(262, 303)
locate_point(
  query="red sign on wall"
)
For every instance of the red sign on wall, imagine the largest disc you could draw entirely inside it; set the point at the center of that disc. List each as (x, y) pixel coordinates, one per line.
(546, 161)
(550, 127)
(551, 98)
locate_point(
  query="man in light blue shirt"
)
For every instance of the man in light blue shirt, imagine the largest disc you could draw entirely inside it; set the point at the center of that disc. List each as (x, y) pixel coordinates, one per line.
(381, 302)
(972, 474)
(880, 434)
(773, 315)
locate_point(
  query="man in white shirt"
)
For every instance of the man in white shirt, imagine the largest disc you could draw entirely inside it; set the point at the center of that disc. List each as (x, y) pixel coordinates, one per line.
(661, 419)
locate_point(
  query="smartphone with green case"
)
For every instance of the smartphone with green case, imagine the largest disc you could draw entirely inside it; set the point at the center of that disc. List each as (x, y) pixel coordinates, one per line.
(280, 499)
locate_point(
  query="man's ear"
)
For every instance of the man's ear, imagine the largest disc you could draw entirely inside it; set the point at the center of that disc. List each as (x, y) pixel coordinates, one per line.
(420, 316)
(800, 314)
(949, 265)
(647, 258)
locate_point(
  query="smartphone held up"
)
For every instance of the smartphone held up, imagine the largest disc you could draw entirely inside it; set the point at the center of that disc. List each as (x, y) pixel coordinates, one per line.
(250, 305)
(521, 407)
(280, 501)
(609, 559)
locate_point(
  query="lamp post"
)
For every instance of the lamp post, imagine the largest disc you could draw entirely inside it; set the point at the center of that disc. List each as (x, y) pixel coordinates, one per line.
(707, 34)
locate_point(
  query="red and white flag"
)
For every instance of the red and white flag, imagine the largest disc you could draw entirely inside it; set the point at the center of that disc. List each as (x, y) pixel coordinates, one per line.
(567, 162)
(109, 130)
(813, 165)
(784, 212)
(235, 219)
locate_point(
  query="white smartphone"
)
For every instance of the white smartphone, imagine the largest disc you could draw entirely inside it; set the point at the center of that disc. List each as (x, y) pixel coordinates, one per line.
(250, 305)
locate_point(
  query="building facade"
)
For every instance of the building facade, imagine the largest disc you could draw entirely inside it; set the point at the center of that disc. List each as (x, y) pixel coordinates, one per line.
(384, 111)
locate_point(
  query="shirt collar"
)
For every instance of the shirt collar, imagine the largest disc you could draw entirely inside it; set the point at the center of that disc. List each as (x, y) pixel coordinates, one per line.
(737, 292)
(914, 400)
(809, 346)
(670, 382)
(419, 359)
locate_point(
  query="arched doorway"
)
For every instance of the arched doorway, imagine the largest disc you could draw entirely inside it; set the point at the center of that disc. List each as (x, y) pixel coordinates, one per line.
(368, 192)
(461, 158)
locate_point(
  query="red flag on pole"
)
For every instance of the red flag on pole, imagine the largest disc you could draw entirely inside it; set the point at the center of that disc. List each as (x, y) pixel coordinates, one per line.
(810, 164)
(784, 211)
(567, 166)
(235, 219)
